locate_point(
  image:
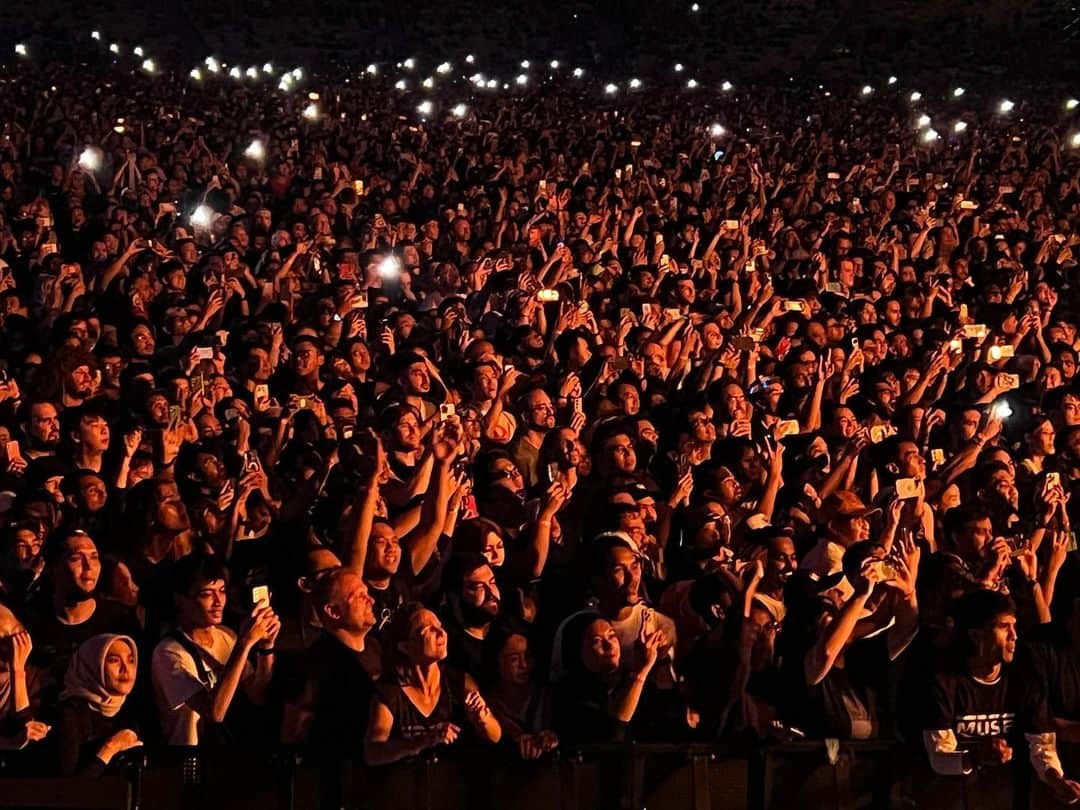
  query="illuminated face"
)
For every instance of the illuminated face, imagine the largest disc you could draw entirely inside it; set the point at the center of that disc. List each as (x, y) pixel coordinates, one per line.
(119, 671)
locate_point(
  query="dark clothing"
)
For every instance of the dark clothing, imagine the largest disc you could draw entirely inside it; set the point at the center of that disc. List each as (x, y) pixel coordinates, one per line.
(851, 701)
(342, 696)
(80, 732)
(388, 601)
(409, 722)
(581, 710)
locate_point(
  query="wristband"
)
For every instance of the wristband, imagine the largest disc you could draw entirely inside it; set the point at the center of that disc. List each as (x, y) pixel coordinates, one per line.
(264, 650)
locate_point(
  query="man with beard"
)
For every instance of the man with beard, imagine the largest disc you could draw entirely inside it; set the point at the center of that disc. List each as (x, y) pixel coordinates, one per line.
(474, 605)
(415, 385)
(76, 369)
(199, 667)
(74, 614)
(536, 416)
(41, 426)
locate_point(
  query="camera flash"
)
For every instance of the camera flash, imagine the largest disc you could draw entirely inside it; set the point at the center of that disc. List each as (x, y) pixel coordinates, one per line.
(203, 217)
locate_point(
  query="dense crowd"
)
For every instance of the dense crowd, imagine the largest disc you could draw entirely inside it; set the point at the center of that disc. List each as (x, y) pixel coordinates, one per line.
(552, 420)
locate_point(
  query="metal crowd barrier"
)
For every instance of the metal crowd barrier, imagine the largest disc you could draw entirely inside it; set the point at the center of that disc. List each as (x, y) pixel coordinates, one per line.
(816, 775)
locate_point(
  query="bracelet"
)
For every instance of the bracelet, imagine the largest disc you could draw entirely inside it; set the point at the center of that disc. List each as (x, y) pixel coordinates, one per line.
(263, 650)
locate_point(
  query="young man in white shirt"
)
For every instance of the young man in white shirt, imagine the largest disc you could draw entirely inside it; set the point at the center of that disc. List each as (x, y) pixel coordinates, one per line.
(197, 670)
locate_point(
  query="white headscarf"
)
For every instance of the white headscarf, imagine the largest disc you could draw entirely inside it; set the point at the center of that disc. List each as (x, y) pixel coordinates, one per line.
(85, 677)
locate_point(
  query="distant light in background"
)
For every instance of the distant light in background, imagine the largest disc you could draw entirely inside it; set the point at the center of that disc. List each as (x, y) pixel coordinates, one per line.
(460, 110)
(578, 73)
(522, 79)
(212, 64)
(252, 73)
(311, 112)
(524, 64)
(1006, 106)
(444, 68)
(610, 89)
(20, 49)
(113, 48)
(678, 67)
(268, 68)
(470, 59)
(692, 84)
(234, 71)
(695, 7)
(867, 90)
(716, 130)
(923, 122)
(95, 35)
(196, 74)
(428, 83)
(492, 84)
(202, 217)
(554, 64)
(149, 66)
(425, 107)
(726, 86)
(635, 84)
(1076, 139)
(892, 80)
(1072, 104)
(372, 69)
(959, 91)
(959, 126)
(298, 73)
(256, 151)
(409, 63)
(930, 135)
(915, 96)
(400, 84)
(138, 51)
(90, 159)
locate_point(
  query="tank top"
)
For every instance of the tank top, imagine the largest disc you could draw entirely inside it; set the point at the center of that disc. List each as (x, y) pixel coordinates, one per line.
(409, 721)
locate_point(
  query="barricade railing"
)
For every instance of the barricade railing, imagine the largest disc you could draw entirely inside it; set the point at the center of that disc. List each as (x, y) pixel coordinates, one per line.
(818, 774)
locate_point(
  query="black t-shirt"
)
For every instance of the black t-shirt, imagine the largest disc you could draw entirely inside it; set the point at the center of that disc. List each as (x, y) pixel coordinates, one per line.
(852, 701)
(389, 601)
(342, 696)
(55, 642)
(974, 710)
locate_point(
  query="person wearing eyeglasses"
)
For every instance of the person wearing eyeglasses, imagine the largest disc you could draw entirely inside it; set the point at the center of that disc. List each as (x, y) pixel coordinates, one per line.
(536, 416)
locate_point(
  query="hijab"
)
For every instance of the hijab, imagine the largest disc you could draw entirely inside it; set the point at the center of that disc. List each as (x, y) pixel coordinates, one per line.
(85, 677)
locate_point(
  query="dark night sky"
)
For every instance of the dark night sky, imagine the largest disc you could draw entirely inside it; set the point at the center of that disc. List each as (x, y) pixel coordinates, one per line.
(761, 38)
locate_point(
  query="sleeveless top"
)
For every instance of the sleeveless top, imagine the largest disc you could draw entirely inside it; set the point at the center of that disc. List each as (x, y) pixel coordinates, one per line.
(409, 721)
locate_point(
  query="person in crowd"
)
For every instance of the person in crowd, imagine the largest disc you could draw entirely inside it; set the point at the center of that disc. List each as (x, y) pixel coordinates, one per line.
(92, 725)
(421, 702)
(199, 668)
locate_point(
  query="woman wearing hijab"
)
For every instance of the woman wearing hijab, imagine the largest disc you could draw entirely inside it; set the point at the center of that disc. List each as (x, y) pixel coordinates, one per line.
(95, 722)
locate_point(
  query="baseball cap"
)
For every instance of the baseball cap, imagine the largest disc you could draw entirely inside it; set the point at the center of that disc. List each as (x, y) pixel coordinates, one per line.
(845, 504)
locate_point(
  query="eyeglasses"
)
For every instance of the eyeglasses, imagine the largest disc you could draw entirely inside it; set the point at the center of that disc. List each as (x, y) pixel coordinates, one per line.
(513, 472)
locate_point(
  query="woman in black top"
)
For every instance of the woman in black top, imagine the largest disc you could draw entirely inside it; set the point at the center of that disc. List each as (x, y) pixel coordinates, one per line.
(520, 704)
(597, 699)
(421, 702)
(95, 722)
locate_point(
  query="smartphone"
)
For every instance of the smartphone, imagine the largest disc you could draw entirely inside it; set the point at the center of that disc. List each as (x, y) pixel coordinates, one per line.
(835, 287)
(260, 595)
(793, 306)
(879, 433)
(446, 411)
(908, 488)
(1001, 352)
(968, 205)
(251, 461)
(174, 414)
(541, 187)
(577, 405)
(620, 363)
(12, 450)
(744, 343)
(1007, 382)
(553, 470)
(618, 175)
(302, 403)
(204, 353)
(347, 431)
(886, 570)
(731, 224)
(787, 427)
(360, 300)
(975, 330)
(222, 336)
(547, 296)
(262, 392)
(358, 187)
(1053, 480)
(672, 313)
